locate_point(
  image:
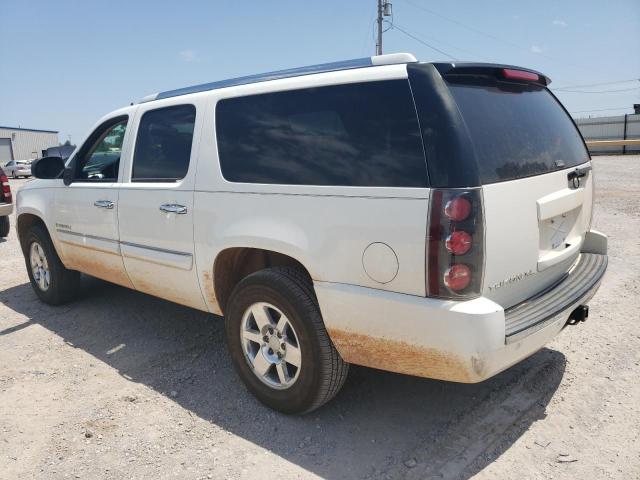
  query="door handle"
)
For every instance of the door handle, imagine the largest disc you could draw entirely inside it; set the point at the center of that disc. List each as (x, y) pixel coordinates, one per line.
(173, 208)
(108, 204)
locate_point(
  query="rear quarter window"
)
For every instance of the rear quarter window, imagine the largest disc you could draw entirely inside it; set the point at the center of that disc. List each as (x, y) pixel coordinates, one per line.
(363, 134)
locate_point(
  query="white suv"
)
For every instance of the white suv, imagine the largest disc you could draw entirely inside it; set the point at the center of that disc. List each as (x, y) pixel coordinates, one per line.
(431, 219)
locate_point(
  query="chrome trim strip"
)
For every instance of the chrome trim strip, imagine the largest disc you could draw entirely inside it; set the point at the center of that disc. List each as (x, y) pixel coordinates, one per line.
(130, 244)
(92, 237)
(156, 249)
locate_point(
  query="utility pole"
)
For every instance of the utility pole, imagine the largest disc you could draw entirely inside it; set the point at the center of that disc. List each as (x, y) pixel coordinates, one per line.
(379, 41)
(384, 10)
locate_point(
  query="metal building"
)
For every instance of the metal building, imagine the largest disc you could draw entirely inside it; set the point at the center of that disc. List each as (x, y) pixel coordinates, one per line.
(24, 143)
(619, 127)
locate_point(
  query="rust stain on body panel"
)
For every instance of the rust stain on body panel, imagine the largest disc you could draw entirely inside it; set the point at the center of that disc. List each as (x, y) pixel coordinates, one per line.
(99, 264)
(210, 293)
(160, 290)
(401, 357)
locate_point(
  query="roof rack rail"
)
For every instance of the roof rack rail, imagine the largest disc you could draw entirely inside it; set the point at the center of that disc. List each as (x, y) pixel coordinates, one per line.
(389, 59)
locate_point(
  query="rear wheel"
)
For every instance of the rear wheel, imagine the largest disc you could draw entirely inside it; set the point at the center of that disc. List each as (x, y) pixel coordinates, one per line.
(53, 283)
(5, 226)
(278, 342)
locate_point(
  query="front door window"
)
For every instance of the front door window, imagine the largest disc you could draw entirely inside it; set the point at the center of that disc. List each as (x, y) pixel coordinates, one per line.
(101, 162)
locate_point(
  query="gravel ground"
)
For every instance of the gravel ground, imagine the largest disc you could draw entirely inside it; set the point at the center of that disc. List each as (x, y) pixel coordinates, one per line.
(123, 385)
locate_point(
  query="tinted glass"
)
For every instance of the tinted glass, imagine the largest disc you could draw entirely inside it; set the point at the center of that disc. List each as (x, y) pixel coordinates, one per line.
(163, 147)
(102, 160)
(362, 134)
(517, 131)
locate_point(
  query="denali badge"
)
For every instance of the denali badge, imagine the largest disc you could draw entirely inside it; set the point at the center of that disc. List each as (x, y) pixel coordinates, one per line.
(507, 281)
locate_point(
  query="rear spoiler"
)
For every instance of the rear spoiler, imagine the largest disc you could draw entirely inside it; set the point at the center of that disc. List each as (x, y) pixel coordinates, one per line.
(509, 73)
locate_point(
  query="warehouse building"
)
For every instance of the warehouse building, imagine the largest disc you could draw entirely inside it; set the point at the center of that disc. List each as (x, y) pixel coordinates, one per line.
(24, 143)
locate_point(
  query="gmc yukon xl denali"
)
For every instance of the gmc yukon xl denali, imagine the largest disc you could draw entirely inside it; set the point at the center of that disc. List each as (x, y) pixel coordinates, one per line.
(431, 219)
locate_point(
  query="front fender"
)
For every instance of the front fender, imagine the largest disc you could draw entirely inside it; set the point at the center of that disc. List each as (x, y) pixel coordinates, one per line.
(39, 200)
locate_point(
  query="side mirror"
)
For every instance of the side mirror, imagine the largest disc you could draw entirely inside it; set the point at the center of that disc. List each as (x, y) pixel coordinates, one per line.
(69, 172)
(47, 167)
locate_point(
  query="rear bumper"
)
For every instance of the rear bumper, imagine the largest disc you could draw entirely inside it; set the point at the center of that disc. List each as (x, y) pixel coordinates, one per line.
(23, 172)
(456, 341)
(6, 209)
(578, 286)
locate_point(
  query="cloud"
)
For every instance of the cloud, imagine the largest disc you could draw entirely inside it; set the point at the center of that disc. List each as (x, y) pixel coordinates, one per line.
(188, 55)
(559, 23)
(535, 49)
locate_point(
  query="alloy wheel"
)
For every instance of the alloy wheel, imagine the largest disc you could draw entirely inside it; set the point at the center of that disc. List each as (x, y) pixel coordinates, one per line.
(39, 266)
(270, 345)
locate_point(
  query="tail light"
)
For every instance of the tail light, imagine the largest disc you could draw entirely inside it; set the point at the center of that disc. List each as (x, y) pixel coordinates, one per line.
(455, 243)
(6, 189)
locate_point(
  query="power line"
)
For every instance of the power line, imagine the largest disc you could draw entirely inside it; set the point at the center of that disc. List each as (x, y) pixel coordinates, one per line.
(473, 29)
(561, 89)
(598, 84)
(422, 35)
(599, 91)
(414, 36)
(417, 39)
(488, 35)
(601, 109)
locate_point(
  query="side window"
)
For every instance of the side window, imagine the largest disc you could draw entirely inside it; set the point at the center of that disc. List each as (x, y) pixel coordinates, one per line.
(99, 158)
(363, 134)
(163, 146)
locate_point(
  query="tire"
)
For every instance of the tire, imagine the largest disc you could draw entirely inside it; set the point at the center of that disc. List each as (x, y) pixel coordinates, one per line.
(5, 227)
(321, 372)
(62, 284)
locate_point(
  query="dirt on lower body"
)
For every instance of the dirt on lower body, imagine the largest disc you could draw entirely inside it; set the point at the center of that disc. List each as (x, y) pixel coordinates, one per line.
(123, 385)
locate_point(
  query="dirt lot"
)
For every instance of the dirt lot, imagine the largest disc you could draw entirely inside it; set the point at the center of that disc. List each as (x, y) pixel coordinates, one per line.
(124, 385)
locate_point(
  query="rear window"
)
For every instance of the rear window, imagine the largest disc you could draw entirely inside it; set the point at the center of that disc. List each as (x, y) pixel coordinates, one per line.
(517, 130)
(363, 134)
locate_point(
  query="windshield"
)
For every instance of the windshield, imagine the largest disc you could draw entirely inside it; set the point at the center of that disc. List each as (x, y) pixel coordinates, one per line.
(517, 130)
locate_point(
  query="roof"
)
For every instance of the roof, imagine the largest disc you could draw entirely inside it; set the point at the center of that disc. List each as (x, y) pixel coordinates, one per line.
(390, 59)
(29, 129)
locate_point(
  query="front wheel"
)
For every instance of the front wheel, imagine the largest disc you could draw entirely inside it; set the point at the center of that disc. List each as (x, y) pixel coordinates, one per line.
(53, 283)
(278, 342)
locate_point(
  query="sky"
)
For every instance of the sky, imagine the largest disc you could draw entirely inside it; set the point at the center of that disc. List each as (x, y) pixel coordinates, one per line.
(64, 63)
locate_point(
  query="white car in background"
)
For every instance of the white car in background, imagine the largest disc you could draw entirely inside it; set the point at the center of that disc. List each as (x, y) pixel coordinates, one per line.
(431, 219)
(18, 168)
